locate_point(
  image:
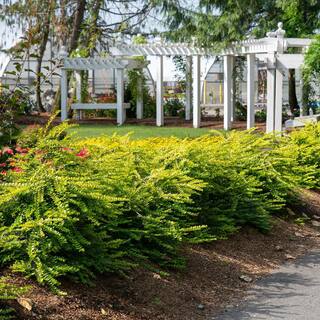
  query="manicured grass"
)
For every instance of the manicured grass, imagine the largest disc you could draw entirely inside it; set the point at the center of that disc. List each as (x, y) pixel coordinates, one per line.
(137, 132)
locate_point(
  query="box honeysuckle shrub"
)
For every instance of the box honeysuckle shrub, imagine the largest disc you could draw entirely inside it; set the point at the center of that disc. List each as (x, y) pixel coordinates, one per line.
(108, 204)
(306, 144)
(71, 211)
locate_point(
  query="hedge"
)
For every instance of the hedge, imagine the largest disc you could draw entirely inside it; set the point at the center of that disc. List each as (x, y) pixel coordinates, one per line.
(109, 204)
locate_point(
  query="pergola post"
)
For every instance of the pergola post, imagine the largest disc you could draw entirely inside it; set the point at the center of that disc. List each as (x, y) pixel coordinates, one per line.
(278, 101)
(159, 93)
(196, 91)
(227, 91)
(250, 89)
(78, 92)
(233, 92)
(64, 94)
(121, 112)
(188, 87)
(139, 99)
(271, 84)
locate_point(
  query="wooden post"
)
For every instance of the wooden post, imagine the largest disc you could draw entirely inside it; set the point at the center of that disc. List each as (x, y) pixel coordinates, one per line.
(139, 99)
(204, 99)
(121, 112)
(78, 92)
(227, 91)
(278, 101)
(271, 83)
(250, 89)
(64, 94)
(233, 91)
(196, 92)
(188, 88)
(159, 98)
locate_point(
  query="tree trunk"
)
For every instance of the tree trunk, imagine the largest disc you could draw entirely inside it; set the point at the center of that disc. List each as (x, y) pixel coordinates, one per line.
(42, 48)
(78, 20)
(293, 101)
(93, 32)
(75, 35)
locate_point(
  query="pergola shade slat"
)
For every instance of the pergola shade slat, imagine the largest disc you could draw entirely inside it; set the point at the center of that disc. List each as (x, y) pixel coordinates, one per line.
(98, 63)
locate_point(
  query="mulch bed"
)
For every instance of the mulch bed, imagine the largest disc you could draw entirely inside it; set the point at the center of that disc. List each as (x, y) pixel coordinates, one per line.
(208, 284)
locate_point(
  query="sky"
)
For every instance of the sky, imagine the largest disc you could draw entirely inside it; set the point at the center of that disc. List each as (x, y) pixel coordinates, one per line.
(169, 68)
(8, 37)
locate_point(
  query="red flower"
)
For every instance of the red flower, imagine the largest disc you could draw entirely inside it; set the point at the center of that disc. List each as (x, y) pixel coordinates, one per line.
(3, 172)
(67, 149)
(2, 165)
(22, 150)
(16, 169)
(9, 151)
(83, 153)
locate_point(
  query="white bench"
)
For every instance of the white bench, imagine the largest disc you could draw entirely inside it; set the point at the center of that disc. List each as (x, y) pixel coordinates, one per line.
(302, 121)
(98, 106)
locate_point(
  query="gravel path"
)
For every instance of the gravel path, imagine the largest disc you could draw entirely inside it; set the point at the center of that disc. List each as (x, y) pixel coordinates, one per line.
(290, 293)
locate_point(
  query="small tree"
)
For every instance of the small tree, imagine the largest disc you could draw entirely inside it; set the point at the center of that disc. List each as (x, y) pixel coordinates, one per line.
(311, 70)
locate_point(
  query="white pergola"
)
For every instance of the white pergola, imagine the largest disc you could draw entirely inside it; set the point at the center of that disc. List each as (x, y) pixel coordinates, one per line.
(119, 64)
(193, 83)
(271, 49)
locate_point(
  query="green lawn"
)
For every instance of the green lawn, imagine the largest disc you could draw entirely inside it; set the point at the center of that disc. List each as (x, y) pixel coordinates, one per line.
(138, 132)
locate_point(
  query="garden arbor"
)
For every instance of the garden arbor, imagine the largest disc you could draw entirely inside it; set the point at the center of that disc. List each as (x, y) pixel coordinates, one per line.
(193, 80)
(270, 50)
(118, 64)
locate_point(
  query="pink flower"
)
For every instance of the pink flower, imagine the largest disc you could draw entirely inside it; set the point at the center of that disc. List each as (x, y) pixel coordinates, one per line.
(16, 169)
(2, 165)
(9, 151)
(83, 153)
(22, 150)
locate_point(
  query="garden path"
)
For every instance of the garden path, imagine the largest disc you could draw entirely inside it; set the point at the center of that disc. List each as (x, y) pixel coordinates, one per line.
(291, 292)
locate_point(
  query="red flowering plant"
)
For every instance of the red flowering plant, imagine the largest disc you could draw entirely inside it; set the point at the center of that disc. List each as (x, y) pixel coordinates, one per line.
(58, 213)
(7, 159)
(45, 144)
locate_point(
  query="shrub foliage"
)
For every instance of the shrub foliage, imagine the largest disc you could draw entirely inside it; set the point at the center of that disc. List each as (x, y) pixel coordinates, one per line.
(108, 204)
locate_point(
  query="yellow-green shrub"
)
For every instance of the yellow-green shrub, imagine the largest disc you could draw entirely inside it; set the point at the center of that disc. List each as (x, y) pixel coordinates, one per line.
(306, 145)
(110, 203)
(78, 213)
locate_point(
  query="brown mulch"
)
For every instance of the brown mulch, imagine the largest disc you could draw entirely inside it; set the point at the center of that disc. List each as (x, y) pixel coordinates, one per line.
(208, 284)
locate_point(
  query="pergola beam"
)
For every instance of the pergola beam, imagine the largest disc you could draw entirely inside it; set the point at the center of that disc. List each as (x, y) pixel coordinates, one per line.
(196, 92)
(102, 63)
(64, 94)
(250, 89)
(278, 101)
(159, 93)
(121, 112)
(78, 92)
(139, 98)
(164, 49)
(188, 88)
(271, 85)
(227, 91)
